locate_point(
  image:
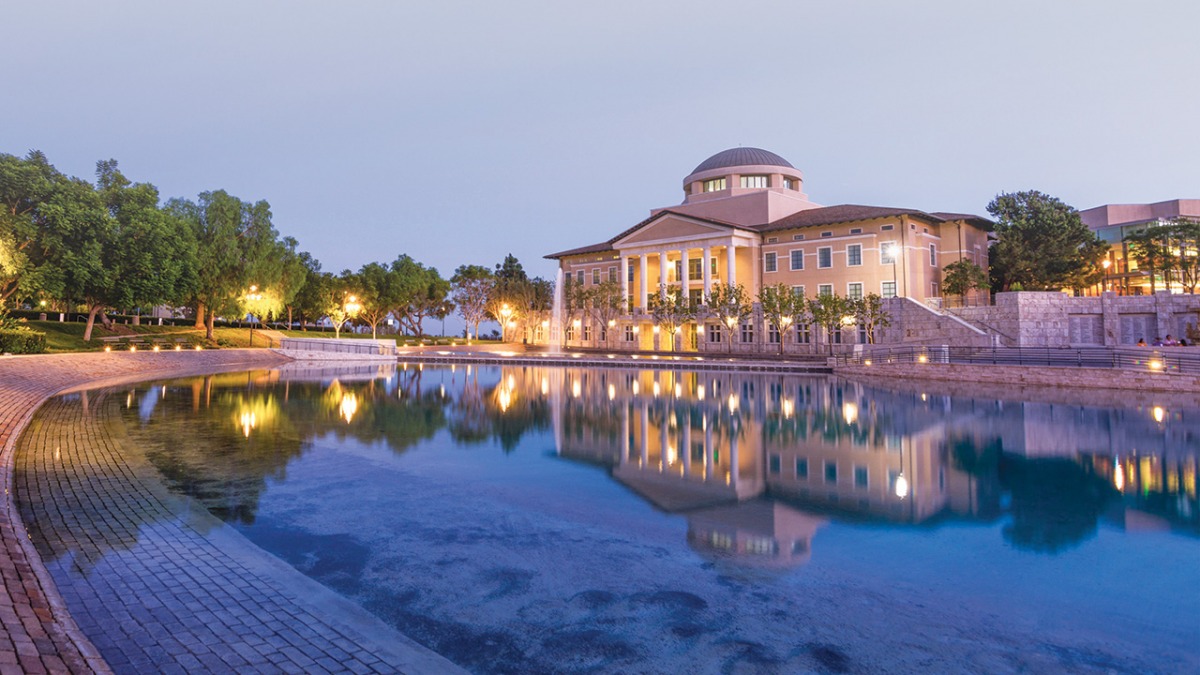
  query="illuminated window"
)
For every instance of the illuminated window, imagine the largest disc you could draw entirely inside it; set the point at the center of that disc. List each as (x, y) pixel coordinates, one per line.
(887, 253)
(769, 260)
(714, 184)
(695, 268)
(630, 279)
(854, 255)
(825, 257)
(596, 276)
(754, 181)
(789, 184)
(797, 259)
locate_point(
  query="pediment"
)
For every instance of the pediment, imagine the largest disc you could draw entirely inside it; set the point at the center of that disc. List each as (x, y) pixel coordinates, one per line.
(671, 228)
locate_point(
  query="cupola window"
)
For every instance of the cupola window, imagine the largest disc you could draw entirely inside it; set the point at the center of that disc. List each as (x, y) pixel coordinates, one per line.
(754, 181)
(714, 184)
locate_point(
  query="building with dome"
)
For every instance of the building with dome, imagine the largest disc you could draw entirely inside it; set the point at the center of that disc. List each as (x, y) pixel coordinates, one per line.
(746, 220)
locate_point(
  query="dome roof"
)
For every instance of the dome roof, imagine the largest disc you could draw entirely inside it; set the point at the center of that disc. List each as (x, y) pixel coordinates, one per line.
(742, 157)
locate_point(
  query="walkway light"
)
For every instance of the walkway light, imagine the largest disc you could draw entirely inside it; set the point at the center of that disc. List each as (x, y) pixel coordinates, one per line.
(901, 486)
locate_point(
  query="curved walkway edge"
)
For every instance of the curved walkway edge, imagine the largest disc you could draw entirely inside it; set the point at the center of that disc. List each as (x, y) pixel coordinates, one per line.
(39, 635)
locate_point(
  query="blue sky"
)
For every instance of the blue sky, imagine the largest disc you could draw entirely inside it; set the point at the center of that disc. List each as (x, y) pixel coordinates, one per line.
(457, 132)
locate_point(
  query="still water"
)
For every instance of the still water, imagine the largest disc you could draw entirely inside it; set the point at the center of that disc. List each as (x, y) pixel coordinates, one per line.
(526, 519)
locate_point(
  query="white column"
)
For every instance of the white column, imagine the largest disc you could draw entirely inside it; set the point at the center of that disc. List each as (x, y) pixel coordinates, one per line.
(684, 276)
(624, 434)
(706, 270)
(624, 277)
(645, 282)
(708, 446)
(731, 264)
(662, 272)
(645, 449)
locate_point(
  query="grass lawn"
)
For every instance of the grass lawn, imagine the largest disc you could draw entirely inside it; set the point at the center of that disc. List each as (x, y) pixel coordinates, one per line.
(68, 337)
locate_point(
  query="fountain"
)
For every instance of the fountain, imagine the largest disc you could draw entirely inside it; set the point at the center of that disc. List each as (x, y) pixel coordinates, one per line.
(554, 342)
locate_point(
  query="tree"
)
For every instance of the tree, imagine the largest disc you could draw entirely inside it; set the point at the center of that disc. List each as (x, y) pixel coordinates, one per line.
(309, 302)
(828, 312)
(26, 188)
(1041, 244)
(471, 286)
(670, 310)
(780, 305)
(962, 277)
(294, 270)
(869, 312)
(730, 305)
(605, 303)
(378, 291)
(341, 303)
(421, 293)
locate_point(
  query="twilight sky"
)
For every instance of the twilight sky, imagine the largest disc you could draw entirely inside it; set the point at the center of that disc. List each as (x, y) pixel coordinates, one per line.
(459, 131)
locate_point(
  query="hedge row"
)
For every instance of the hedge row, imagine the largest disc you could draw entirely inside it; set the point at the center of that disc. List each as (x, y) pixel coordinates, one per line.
(22, 342)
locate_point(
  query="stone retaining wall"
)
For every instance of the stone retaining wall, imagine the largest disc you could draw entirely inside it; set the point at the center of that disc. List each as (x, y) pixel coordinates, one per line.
(1094, 378)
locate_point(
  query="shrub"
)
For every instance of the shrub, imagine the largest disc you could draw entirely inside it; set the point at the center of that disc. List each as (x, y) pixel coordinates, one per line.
(22, 341)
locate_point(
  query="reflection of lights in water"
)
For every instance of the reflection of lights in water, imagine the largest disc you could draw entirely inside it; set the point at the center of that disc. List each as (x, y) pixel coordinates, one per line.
(1159, 413)
(1118, 476)
(727, 478)
(733, 403)
(656, 390)
(545, 386)
(349, 406)
(512, 382)
(576, 389)
(901, 486)
(672, 455)
(850, 412)
(248, 421)
(678, 390)
(442, 390)
(504, 398)
(788, 407)
(700, 393)
(636, 388)
(924, 397)
(612, 392)
(453, 368)
(129, 400)
(57, 454)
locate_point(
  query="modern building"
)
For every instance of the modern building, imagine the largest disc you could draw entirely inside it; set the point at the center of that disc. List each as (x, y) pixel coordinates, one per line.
(745, 220)
(1114, 222)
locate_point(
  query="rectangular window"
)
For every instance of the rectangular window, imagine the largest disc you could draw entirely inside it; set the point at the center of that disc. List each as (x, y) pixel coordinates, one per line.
(887, 253)
(885, 228)
(714, 184)
(714, 332)
(629, 333)
(824, 290)
(714, 265)
(801, 467)
(596, 276)
(788, 184)
(612, 274)
(677, 270)
(630, 279)
(774, 464)
(579, 277)
(854, 291)
(754, 181)
(747, 332)
(862, 334)
(830, 471)
(933, 254)
(854, 255)
(769, 262)
(797, 237)
(803, 334)
(824, 257)
(935, 290)
(856, 230)
(695, 268)
(587, 331)
(772, 334)
(860, 476)
(570, 332)
(797, 259)
(888, 289)
(798, 291)
(772, 240)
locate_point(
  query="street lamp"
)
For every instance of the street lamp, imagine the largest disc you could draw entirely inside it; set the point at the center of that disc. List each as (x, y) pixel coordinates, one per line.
(890, 249)
(253, 296)
(1106, 263)
(505, 312)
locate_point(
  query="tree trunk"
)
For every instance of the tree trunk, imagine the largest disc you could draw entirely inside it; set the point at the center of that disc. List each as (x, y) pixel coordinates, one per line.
(105, 321)
(208, 327)
(289, 325)
(91, 322)
(199, 316)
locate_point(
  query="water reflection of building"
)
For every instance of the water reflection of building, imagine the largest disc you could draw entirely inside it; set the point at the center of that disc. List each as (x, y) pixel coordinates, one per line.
(761, 532)
(706, 442)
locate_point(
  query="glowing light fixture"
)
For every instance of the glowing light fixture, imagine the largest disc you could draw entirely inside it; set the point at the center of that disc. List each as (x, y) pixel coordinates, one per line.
(901, 486)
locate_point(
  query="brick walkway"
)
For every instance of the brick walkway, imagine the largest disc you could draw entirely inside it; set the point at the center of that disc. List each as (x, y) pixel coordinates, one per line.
(192, 597)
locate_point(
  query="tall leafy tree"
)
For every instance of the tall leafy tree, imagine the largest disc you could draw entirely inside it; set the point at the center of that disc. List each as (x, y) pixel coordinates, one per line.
(730, 305)
(870, 313)
(378, 292)
(26, 188)
(962, 277)
(780, 306)
(471, 286)
(1041, 244)
(605, 303)
(421, 292)
(670, 310)
(309, 300)
(293, 273)
(828, 311)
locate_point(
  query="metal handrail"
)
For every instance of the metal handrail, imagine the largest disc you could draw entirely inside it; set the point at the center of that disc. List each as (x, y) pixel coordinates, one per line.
(1176, 360)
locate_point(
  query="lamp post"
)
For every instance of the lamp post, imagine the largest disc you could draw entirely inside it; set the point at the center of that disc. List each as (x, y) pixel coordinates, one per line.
(1104, 280)
(505, 312)
(891, 251)
(253, 296)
